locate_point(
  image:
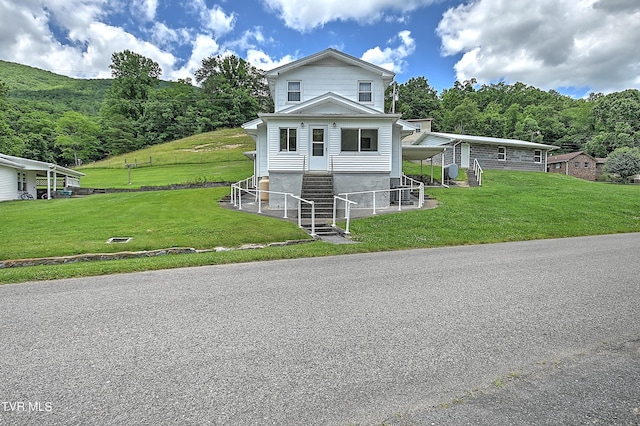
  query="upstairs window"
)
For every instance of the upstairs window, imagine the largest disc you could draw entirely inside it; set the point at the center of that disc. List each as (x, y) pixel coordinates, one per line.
(502, 153)
(359, 140)
(365, 94)
(537, 156)
(288, 140)
(294, 93)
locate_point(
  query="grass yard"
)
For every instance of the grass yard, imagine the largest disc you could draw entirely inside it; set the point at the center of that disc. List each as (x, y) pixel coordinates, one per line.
(510, 206)
(155, 219)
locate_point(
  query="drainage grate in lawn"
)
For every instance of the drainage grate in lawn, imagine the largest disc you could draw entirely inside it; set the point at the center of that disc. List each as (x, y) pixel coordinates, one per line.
(120, 240)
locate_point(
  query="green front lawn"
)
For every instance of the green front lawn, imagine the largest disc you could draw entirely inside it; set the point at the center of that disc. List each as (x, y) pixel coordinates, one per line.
(156, 219)
(510, 206)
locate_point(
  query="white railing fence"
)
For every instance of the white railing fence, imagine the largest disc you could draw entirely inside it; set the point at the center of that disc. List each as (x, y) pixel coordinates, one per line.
(242, 187)
(347, 211)
(413, 184)
(247, 185)
(313, 213)
(478, 171)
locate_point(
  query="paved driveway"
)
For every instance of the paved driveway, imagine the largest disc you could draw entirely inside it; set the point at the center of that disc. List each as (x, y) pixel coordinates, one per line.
(438, 336)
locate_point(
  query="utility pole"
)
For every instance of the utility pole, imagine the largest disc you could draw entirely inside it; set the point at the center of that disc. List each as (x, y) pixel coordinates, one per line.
(394, 96)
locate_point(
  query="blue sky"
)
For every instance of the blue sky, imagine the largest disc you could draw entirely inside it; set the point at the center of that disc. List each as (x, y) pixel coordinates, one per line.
(573, 46)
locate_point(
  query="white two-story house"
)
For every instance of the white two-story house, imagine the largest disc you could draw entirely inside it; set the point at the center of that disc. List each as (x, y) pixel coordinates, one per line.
(329, 119)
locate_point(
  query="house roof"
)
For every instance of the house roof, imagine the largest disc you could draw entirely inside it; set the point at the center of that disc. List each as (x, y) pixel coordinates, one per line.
(438, 139)
(27, 164)
(9, 163)
(562, 158)
(339, 104)
(272, 75)
(339, 107)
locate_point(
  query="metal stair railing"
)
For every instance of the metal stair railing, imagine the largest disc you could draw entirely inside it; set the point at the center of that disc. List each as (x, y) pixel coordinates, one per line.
(477, 170)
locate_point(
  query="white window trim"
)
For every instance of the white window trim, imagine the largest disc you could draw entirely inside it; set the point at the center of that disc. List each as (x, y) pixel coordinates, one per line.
(288, 129)
(539, 160)
(503, 154)
(370, 92)
(289, 91)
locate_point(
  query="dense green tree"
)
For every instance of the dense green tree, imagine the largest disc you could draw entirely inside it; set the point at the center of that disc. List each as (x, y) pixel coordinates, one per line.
(77, 141)
(616, 121)
(170, 113)
(38, 130)
(464, 118)
(135, 76)
(233, 92)
(491, 122)
(415, 99)
(10, 143)
(623, 162)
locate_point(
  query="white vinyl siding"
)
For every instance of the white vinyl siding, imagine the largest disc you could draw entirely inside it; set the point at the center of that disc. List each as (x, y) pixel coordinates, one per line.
(318, 79)
(8, 183)
(372, 161)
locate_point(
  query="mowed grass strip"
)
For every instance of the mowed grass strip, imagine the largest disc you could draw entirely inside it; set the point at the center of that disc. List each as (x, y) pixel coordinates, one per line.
(155, 219)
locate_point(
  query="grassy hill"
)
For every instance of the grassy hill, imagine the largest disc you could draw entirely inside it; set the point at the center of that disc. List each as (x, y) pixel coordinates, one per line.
(212, 157)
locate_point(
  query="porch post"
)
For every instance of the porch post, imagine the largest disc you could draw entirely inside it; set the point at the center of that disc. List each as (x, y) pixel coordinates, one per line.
(48, 184)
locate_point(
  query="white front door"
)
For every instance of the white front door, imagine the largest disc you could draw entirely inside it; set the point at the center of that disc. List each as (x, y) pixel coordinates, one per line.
(318, 148)
(465, 153)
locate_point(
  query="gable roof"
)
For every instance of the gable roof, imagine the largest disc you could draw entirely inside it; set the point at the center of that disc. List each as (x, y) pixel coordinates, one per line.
(329, 105)
(562, 158)
(27, 164)
(339, 104)
(438, 139)
(272, 75)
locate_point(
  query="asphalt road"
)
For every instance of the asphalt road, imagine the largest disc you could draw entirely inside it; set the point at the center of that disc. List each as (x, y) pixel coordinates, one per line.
(540, 332)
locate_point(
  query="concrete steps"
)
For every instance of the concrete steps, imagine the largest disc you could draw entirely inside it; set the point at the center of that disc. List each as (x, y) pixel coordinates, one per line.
(318, 188)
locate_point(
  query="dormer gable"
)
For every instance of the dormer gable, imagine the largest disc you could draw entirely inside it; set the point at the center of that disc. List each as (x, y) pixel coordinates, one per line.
(328, 58)
(329, 71)
(329, 103)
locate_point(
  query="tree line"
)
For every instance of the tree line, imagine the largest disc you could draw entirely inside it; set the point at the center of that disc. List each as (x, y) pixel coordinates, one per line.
(138, 110)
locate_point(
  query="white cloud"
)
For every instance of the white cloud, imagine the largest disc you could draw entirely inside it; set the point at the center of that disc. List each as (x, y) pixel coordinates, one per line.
(546, 43)
(264, 62)
(214, 19)
(304, 15)
(146, 8)
(393, 59)
(203, 47)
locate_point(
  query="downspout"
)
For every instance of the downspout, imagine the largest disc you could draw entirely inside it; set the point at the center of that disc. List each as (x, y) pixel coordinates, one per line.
(566, 168)
(546, 161)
